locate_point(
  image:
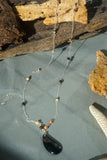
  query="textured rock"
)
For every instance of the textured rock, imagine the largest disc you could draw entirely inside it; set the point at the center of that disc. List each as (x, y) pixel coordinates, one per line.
(10, 29)
(47, 11)
(37, 33)
(98, 77)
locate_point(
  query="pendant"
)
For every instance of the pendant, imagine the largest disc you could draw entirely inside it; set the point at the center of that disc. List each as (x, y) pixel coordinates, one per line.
(51, 144)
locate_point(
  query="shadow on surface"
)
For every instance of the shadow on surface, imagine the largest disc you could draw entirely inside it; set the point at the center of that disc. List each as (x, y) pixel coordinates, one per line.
(104, 51)
(101, 108)
(92, 8)
(6, 154)
(99, 157)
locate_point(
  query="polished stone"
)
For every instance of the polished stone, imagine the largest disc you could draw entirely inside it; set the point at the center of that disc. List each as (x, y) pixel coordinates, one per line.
(51, 144)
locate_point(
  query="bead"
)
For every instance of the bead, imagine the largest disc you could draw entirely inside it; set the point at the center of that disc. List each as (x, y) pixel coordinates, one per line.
(41, 127)
(70, 58)
(53, 51)
(61, 81)
(46, 127)
(51, 121)
(57, 99)
(24, 103)
(39, 69)
(59, 1)
(70, 40)
(38, 122)
(28, 78)
(54, 32)
(76, 9)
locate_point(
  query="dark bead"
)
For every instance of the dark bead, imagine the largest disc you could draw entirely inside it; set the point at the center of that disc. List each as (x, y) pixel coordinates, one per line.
(24, 103)
(70, 58)
(51, 144)
(59, 1)
(61, 81)
(75, 9)
(41, 127)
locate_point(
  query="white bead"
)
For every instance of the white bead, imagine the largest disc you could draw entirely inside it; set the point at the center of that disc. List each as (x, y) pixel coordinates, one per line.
(39, 69)
(57, 99)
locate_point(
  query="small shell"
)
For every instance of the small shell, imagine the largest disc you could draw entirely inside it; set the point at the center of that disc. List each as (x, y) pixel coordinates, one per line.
(100, 118)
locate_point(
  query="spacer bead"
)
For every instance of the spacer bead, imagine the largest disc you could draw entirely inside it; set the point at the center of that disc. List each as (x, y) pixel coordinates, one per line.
(41, 127)
(70, 58)
(39, 69)
(46, 127)
(28, 78)
(76, 9)
(38, 122)
(70, 40)
(53, 51)
(54, 31)
(61, 81)
(57, 99)
(51, 121)
(24, 103)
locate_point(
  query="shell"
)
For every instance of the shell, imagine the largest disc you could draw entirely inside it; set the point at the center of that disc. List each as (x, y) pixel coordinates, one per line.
(100, 118)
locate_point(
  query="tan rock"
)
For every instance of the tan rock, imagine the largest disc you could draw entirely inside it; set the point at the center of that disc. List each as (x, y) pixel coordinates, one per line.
(48, 9)
(98, 77)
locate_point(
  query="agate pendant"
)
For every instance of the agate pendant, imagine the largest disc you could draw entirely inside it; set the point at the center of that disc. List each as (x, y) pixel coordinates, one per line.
(51, 144)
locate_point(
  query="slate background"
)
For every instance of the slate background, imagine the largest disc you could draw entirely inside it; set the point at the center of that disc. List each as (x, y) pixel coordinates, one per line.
(75, 127)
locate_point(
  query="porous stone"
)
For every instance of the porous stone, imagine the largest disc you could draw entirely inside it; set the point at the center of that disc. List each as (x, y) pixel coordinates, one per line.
(48, 9)
(98, 77)
(37, 32)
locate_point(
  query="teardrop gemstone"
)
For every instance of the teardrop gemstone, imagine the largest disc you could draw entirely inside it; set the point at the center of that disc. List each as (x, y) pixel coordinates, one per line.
(51, 144)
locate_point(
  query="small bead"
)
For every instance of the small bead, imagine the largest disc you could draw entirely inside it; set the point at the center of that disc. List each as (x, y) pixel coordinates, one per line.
(53, 51)
(39, 69)
(24, 103)
(28, 78)
(38, 122)
(70, 58)
(59, 1)
(41, 127)
(76, 9)
(57, 99)
(61, 81)
(46, 127)
(70, 40)
(54, 31)
(51, 121)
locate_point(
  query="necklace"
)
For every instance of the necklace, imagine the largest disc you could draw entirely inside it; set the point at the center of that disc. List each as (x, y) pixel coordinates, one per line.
(51, 144)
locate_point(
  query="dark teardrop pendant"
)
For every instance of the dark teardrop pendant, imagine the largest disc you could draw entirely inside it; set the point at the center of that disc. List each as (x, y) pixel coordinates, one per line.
(51, 144)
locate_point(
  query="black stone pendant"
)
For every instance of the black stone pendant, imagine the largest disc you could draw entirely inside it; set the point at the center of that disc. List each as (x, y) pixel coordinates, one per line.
(51, 144)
